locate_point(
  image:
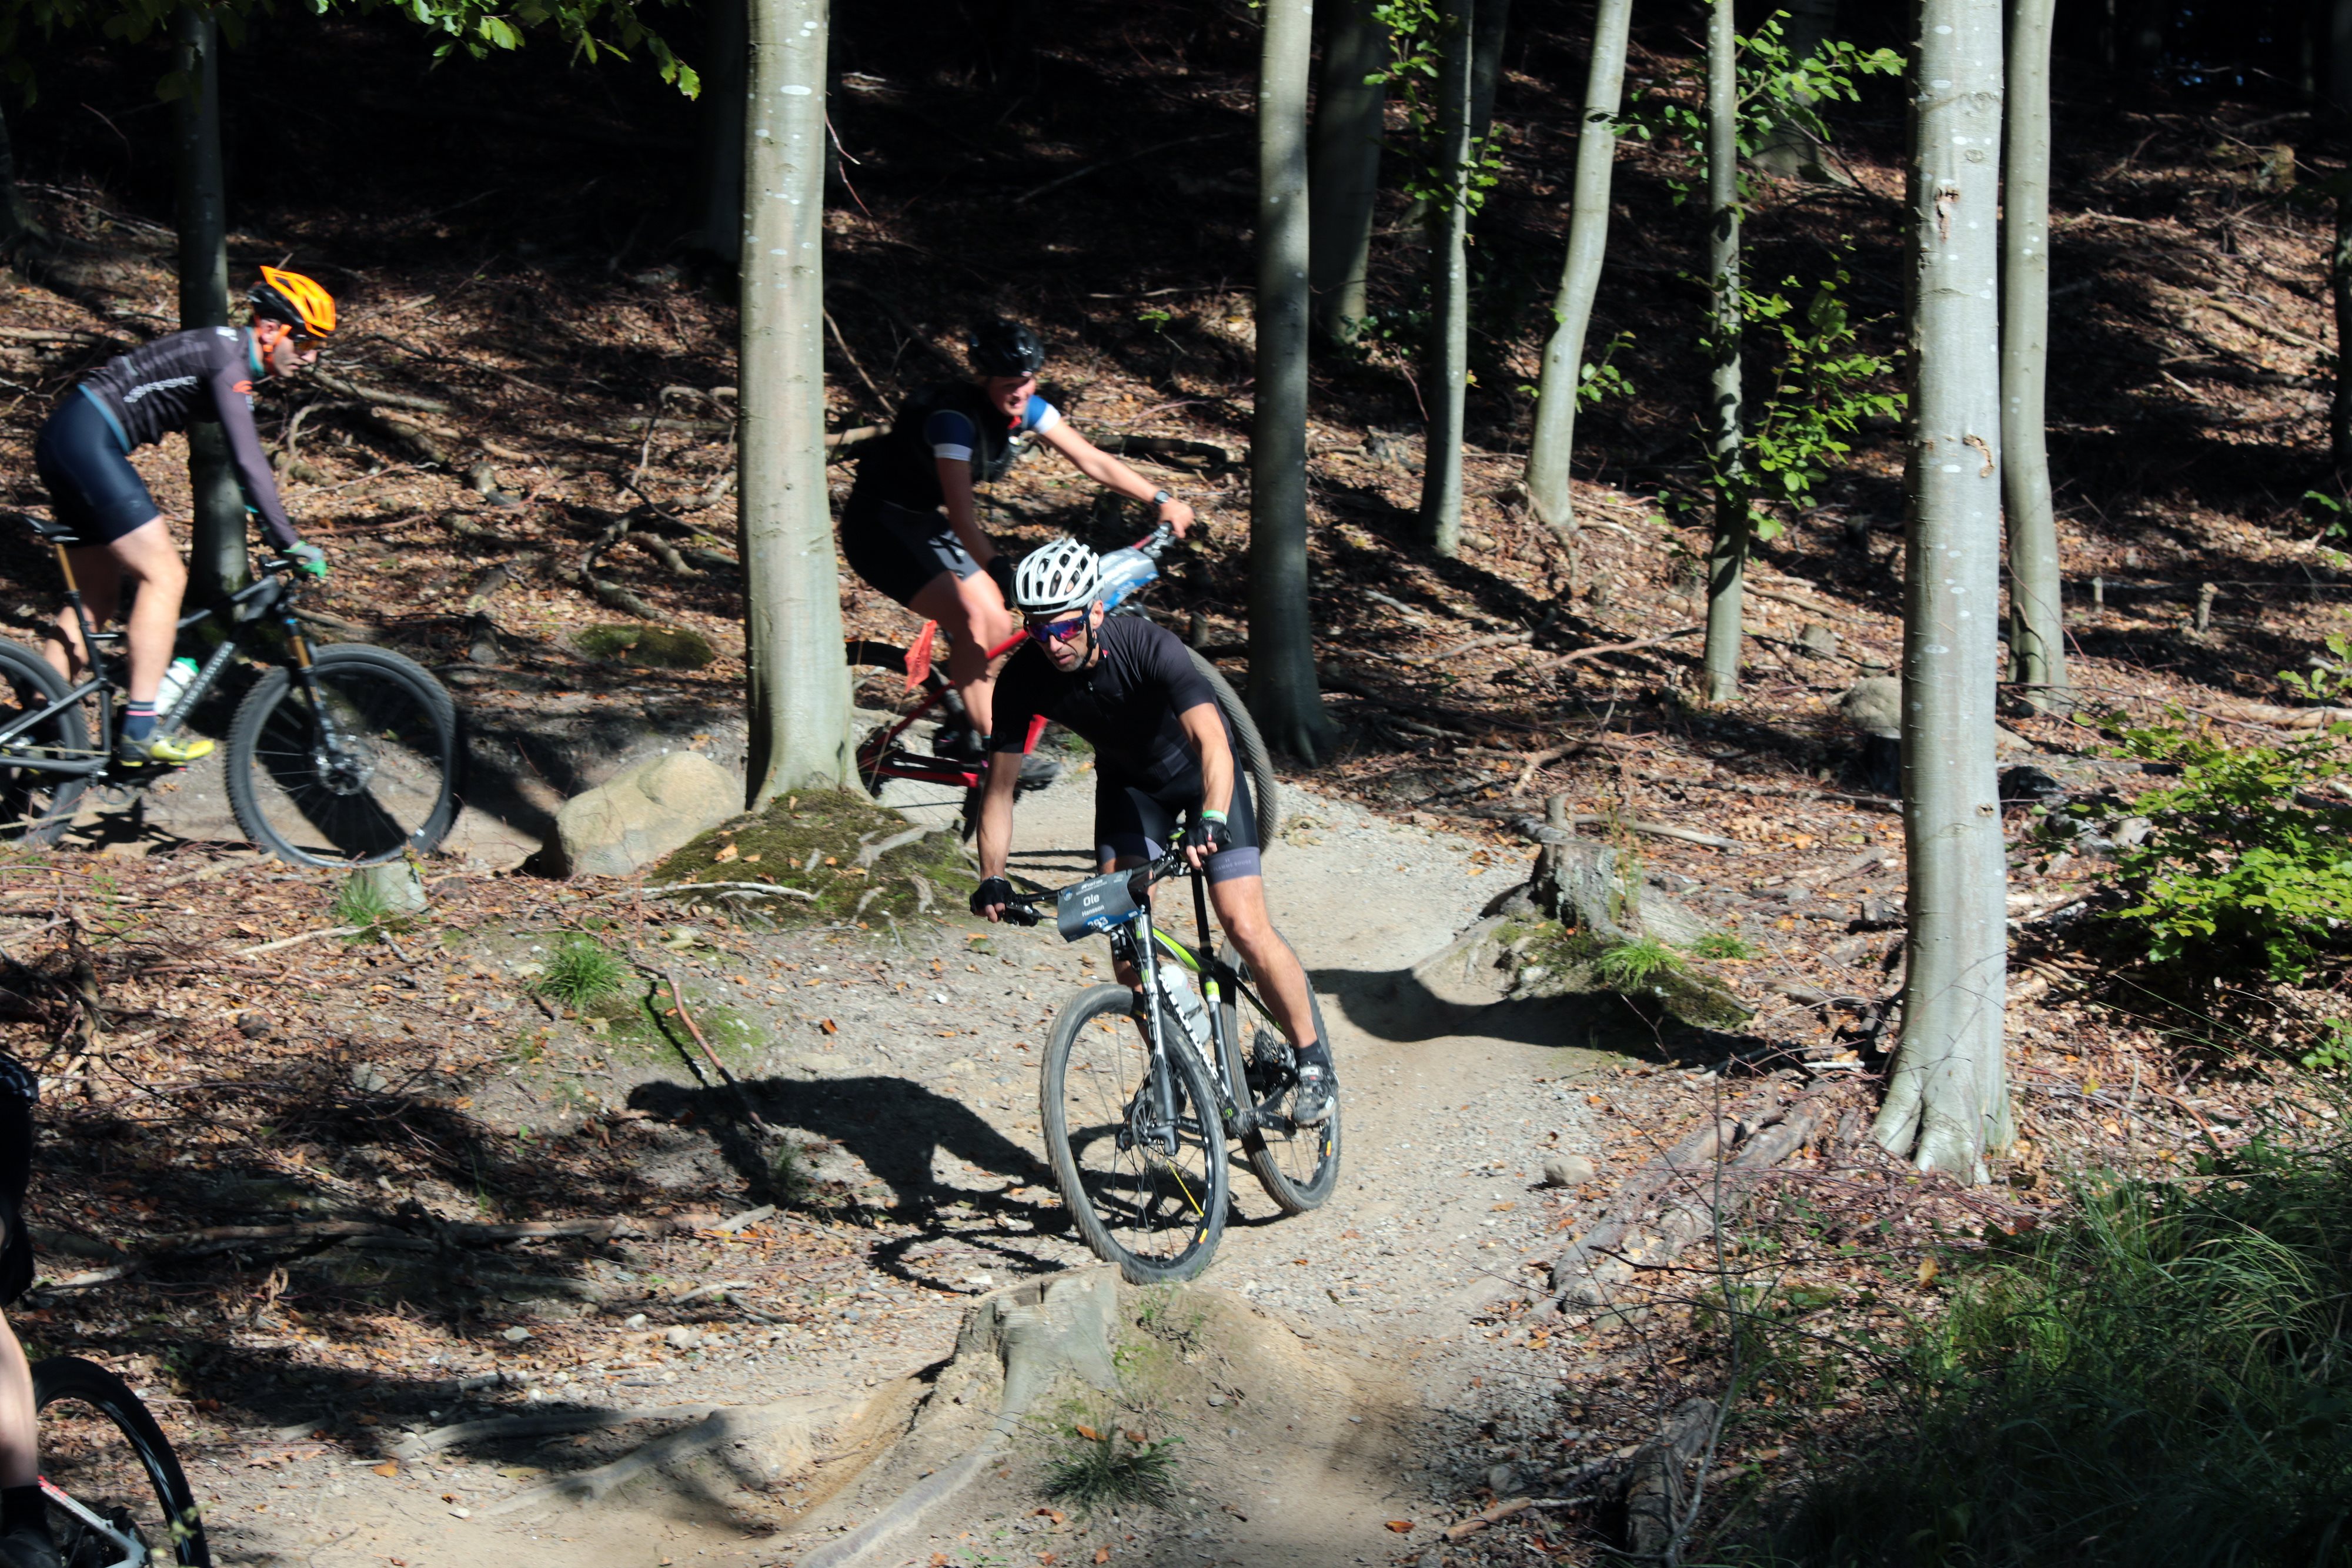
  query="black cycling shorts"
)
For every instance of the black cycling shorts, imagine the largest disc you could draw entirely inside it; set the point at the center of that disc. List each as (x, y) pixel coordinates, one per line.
(93, 489)
(18, 1091)
(1134, 824)
(901, 551)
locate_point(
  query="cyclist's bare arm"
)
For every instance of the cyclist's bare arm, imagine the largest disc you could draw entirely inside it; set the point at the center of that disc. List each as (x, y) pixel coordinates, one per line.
(997, 816)
(1206, 730)
(1111, 474)
(963, 511)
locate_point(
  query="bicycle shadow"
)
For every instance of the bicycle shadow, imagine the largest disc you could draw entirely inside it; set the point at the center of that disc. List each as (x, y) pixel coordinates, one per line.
(1412, 1007)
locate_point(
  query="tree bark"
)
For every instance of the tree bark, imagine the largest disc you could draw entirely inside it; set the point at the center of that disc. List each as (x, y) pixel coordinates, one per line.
(1282, 692)
(1554, 444)
(1727, 561)
(2339, 54)
(2339, 284)
(1347, 170)
(20, 233)
(2037, 636)
(216, 559)
(717, 219)
(1487, 31)
(1789, 153)
(1947, 1103)
(799, 685)
(1445, 361)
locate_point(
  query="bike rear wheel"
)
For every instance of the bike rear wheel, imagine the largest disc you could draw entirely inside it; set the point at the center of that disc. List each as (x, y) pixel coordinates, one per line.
(103, 1450)
(35, 806)
(1157, 1214)
(387, 786)
(1266, 789)
(1299, 1167)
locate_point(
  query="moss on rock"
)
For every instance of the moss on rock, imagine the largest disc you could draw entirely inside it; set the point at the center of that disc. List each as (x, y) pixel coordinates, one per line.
(814, 843)
(655, 647)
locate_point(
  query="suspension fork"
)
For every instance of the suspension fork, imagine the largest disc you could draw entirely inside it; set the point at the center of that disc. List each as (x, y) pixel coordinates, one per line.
(1162, 1082)
(323, 738)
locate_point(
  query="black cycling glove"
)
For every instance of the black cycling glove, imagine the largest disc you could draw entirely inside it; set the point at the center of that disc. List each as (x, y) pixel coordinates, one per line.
(992, 890)
(1209, 833)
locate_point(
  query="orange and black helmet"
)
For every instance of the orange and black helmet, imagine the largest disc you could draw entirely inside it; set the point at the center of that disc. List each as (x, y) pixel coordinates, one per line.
(291, 298)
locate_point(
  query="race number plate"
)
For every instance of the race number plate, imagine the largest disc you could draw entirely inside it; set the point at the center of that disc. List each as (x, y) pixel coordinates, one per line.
(1099, 904)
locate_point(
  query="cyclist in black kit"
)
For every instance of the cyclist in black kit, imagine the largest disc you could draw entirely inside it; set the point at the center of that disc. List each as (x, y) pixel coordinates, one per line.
(83, 459)
(912, 526)
(1163, 753)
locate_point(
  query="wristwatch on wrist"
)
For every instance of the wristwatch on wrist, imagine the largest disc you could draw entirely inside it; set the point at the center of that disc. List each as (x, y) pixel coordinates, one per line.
(1160, 497)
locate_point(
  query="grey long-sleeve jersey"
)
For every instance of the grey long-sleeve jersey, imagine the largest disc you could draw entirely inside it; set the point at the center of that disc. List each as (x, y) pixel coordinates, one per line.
(204, 373)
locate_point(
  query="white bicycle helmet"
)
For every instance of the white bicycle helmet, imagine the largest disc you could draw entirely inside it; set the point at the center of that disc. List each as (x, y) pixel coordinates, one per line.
(1064, 575)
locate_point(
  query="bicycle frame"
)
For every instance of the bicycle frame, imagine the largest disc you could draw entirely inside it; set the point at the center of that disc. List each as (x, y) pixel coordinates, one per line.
(271, 591)
(133, 1555)
(875, 759)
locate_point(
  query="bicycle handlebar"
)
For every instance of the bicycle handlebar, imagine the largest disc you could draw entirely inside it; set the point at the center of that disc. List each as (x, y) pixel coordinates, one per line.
(1023, 909)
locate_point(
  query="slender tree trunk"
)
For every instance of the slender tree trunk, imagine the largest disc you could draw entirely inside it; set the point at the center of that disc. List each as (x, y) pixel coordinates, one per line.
(1789, 152)
(216, 559)
(2338, 23)
(1347, 169)
(799, 685)
(1489, 30)
(1727, 561)
(718, 217)
(1947, 1104)
(2340, 283)
(2037, 636)
(20, 234)
(1579, 277)
(1283, 692)
(1445, 361)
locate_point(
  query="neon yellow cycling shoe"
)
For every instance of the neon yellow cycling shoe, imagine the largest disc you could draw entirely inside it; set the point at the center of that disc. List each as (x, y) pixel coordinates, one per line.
(163, 750)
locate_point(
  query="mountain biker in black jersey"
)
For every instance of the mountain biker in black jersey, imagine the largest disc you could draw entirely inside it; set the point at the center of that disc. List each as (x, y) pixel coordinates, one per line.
(1163, 753)
(912, 526)
(25, 1538)
(82, 456)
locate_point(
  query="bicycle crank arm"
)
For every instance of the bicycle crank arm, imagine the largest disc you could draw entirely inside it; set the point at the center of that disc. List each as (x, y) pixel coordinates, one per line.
(134, 1552)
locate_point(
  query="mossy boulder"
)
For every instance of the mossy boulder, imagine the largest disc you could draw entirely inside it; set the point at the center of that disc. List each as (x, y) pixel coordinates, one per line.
(855, 859)
(1553, 960)
(652, 647)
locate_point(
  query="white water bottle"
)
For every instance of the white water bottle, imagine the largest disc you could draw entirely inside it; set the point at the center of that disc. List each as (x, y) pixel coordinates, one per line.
(176, 679)
(1187, 1003)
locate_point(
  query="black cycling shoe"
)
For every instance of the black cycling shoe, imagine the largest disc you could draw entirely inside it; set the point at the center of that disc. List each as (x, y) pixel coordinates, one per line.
(25, 1547)
(954, 743)
(1037, 770)
(1318, 1087)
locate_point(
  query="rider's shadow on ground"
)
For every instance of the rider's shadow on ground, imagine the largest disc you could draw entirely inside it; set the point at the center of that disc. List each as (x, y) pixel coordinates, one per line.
(1401, 1005)
(893, 1126)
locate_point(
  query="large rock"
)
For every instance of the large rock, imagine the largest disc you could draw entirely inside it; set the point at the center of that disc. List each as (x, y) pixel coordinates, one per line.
(636, 818)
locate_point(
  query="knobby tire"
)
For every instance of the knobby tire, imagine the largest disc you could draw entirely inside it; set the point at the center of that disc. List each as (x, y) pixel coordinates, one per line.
(36, 806)
(1298, 1169)
(1266, 789)
(79, 1456)
(1130, 1210)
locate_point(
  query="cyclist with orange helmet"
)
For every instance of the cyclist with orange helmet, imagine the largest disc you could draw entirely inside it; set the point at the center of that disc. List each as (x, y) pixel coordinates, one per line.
(83, 457)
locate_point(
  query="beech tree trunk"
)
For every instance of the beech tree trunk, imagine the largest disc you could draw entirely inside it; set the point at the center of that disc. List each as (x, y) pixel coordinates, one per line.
(1347, 169)
(1445, 361)
(2338, 22)
(1554, 444)
(799, 685)
(1727, 561)
(218, 566)
(2339, 285)
(1487, 31)
(1947, 1103)
(717, 219)
(19, 234)
(2037, 637)
(1283, 692)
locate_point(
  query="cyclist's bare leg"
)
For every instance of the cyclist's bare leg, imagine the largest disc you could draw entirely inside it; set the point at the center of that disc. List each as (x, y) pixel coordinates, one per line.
(146, 556)
(19, 1463)
(973, 612)
(101, 594)
(1240, 903)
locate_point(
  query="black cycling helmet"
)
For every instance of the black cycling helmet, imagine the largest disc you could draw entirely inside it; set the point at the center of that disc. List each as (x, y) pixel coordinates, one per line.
(1004, 347)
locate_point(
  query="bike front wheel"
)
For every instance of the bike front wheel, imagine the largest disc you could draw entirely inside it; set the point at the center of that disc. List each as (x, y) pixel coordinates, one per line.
(365, 774)
(117, 1495)
(37, 805)
(1147, 1188)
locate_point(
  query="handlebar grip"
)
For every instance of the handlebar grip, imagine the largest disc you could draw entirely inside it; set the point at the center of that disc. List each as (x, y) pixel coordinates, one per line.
(1021, 914)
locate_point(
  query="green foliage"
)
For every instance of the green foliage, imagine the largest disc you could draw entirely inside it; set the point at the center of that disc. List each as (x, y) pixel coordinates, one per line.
(583, 971)
(593, 28)
(1778, 94)
(2236, 876)
(1824, 386)
(2333, 1052)
(2329, 681)
(1597, 382)
(1722, 945)
(1420, 35)
(360, 902)
(2165, 1380)
(1106, 1468)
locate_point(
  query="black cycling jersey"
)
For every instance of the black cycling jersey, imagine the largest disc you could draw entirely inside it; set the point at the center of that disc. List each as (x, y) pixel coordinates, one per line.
(1125, 703)
(206, 372)
(953, 420)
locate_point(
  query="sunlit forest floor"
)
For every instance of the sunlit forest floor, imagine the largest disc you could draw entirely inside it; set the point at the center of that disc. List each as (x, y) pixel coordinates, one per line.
(501, 236)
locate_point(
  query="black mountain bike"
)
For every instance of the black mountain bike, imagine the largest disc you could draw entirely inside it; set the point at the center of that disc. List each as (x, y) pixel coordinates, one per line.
(1139, 1101)
(339, 756)
(116, 1495)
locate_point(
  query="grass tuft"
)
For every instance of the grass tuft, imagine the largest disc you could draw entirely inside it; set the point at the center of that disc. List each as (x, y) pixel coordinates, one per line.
(360, 902)
(583, 971)
(1722, 945)
(1101, 1470)
(1633, 966)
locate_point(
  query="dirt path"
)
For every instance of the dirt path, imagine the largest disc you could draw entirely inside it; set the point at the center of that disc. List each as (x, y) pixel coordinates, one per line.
(921, 1098)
